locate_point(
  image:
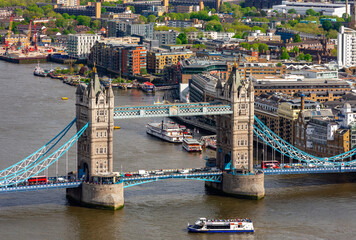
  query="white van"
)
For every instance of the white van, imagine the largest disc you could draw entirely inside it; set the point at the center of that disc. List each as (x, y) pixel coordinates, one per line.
(183, 171)
(143, 173)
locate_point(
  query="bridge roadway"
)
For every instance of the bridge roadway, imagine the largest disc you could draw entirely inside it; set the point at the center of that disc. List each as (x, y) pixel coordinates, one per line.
(40, 187)
(133, 178)
(172, 110)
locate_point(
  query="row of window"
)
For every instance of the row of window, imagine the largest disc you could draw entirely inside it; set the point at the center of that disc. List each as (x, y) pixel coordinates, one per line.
(101, 150)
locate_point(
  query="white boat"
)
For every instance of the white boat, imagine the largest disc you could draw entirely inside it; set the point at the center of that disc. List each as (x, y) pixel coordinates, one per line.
(222, 225)
(39, 71)
(191, 145)
(166, 131)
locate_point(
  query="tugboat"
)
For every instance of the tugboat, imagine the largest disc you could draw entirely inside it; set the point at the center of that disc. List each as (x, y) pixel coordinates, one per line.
(39, 71)
(222, 225)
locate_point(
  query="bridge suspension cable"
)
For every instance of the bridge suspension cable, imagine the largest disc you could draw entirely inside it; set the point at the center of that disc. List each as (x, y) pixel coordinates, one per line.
(285, 148)
(41, 165)
(27, 162)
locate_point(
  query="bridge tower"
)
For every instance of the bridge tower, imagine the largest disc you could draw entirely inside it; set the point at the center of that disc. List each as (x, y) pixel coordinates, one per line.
(235, 139)
(95, 105)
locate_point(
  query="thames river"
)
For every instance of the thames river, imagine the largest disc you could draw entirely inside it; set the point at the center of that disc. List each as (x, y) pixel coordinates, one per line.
(32, 112)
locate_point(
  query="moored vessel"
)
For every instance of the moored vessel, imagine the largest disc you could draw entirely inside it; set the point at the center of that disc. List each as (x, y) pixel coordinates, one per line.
(191, 145)
(221, 225)
(39, 71)
(170, 132)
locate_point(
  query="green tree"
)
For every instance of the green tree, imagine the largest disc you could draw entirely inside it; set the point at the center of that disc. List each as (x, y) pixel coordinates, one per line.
(292, 11)
(262, 47)
(297, 38)
(301, 56)
(18, 12)
(183, 38)
(337, 25)
(151, 18)
(66, 15)
(279, 64)
(84, 20)
(327, 25)
(296, 50)
(334, 52)
(285, 55)
(255, 46)
(308, 58)
(332, 34)
(103, 10)
(200, 35)
(143, 71)
(95, 24)
(311, 12)
(178, 41)
(143, 19)
(293, 22)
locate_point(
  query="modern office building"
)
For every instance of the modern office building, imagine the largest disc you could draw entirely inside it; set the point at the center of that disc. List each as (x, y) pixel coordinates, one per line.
(118, 28)
(327, 9)
(158, 59)
(346, 47)
(165, 37)
(79, 45)
(120, 56)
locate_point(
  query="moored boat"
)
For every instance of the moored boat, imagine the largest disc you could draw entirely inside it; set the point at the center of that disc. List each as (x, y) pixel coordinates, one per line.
(166, 131)
(39, 71)
(147, 87)
(191, 145)
(221, 225)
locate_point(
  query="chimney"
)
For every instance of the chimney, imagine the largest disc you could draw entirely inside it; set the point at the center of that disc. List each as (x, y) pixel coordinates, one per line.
(302, 102)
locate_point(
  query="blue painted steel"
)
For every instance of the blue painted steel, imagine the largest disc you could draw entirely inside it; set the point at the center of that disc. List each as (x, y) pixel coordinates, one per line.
(308, 170)
(169, 110)
(75, 138)
(59, 135)
(210, 177)
(267, 131)
(40, 187)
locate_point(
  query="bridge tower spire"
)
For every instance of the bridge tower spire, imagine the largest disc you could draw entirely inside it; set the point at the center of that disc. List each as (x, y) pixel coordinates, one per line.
(95, 104)
(234, 142)
(235, 131)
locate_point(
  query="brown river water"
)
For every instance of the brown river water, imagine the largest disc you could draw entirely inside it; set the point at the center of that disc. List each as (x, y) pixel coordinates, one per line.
(32, 112)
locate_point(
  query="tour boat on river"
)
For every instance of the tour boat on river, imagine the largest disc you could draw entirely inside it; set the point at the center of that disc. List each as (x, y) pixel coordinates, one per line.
(170, 132)
(221, 225)
(191, 144)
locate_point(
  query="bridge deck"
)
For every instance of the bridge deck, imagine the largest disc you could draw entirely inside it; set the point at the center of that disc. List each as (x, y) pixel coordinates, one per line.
(309, 170)
(40, 187)
(172, 110)
(212, 176)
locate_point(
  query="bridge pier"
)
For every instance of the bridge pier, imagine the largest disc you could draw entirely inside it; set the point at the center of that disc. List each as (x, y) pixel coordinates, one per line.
(104, 196)
(250, 186)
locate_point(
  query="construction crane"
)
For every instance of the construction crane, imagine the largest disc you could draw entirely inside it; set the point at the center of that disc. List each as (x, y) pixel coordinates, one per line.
(9, 32)
(29, 32)
(35, 38)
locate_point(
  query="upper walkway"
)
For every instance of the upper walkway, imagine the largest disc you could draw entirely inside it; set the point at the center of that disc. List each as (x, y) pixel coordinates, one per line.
(172, 110)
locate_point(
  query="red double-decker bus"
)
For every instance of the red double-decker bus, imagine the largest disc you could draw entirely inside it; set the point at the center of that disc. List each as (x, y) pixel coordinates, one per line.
(270, 164)
(37, 180)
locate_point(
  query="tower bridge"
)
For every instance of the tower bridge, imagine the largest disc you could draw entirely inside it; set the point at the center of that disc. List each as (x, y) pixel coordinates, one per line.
(95, 183)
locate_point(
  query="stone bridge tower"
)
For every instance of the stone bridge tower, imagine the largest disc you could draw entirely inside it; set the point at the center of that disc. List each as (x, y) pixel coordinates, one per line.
(235, 131)
(95, 105)
(234, 153)
(102, 188)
